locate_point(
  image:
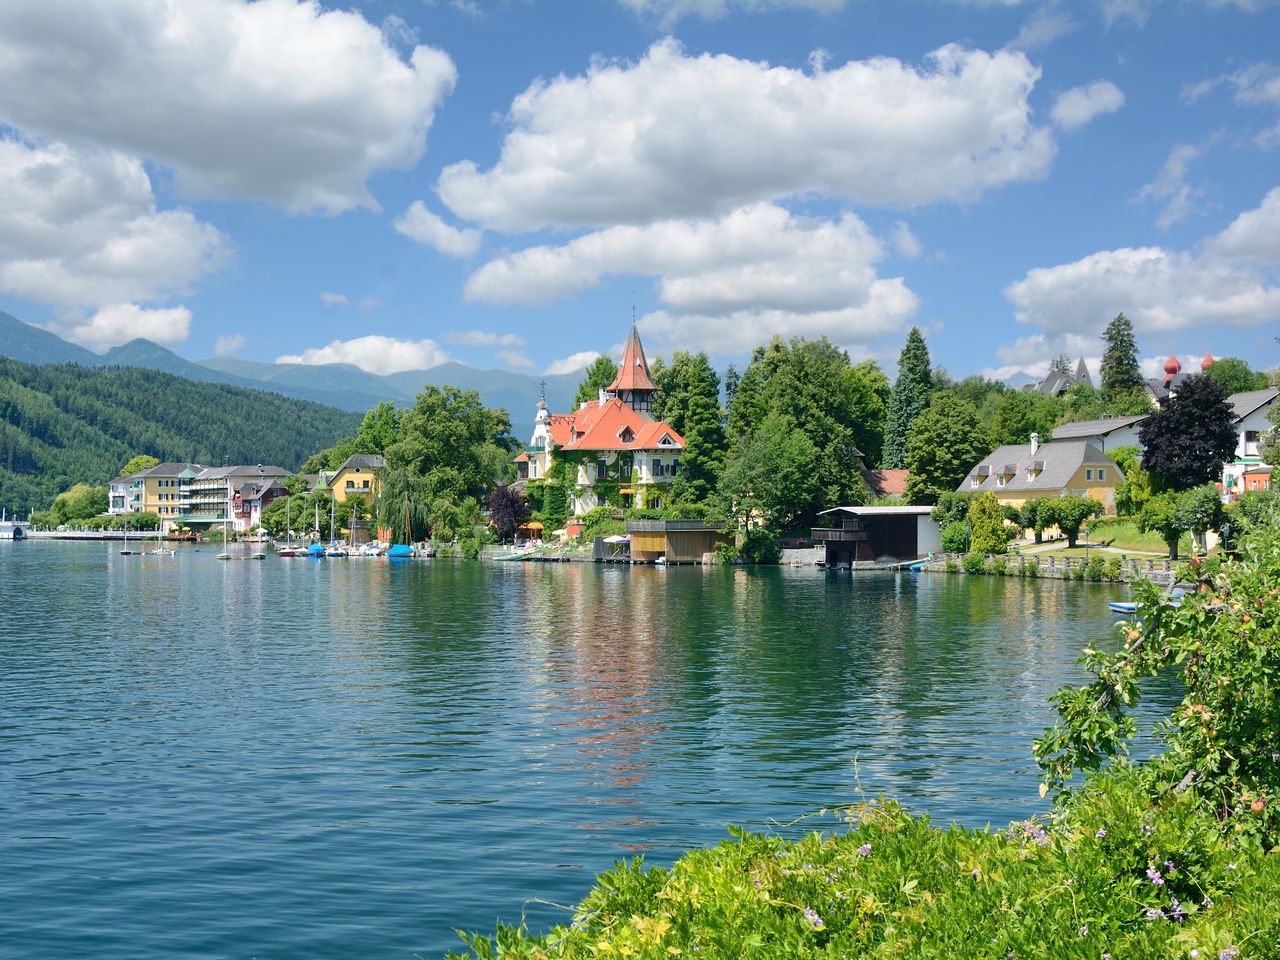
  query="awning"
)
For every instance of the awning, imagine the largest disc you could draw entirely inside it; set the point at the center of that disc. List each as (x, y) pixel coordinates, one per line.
(627, 490)
(617, 539)
(531, 525)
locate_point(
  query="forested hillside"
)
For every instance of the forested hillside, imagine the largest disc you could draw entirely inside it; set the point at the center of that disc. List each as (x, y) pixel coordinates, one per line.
(65, 424)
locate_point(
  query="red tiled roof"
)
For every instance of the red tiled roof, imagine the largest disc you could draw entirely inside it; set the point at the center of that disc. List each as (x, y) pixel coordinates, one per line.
(633, 371)
(596, 426)
(887, 483)
(523, 457)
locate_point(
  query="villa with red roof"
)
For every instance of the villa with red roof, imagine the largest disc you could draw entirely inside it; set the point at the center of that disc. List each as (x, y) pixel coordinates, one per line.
(611, 450)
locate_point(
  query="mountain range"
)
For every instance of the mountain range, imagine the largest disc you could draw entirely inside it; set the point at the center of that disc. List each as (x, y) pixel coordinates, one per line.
(340, 385)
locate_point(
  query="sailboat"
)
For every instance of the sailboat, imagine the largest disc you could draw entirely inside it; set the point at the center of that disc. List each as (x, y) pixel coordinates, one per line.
(335, 549)
(126, 552)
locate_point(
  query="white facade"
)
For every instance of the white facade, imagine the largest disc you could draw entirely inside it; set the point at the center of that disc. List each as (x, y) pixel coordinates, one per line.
(1250, 430)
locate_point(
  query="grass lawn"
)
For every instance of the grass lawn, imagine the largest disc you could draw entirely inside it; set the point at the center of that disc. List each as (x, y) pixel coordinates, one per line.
(1124, 535)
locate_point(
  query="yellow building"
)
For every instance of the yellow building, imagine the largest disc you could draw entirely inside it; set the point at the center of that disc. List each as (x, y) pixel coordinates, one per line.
(358, 475)
(164, 490)
(1016, 473)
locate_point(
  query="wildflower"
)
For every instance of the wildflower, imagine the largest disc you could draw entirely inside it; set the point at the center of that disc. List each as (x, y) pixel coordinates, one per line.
(1228, 953)
(1155, 913)
(1102, 832)
(1231, 866)
(1168, 865)
(1175, 910)
(975, 873)
(1207, 902)
(864, 850)
(1084, 931)
(1154, 876)
(811, 917)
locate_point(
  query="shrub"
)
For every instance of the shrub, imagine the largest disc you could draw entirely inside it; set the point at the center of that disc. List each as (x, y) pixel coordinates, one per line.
(1000, 566)
(1114, 569)
(727, 553)
(1030, 567)
(760, 546)
(1093, 570)
(987, 525)
(974, 563)
(952, 565)
(954, 537)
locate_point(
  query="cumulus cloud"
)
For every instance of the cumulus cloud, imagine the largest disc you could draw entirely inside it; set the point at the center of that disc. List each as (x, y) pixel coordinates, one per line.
(483, 338)
(674, 135)
(1079, 105)
(1170, 187)
(1159, 290)
(514, 358)
(422, 226)
(228, 344)
(1254, 85)
(120, 323)
(1042, 28)
(1254, 234)
(79, 227)
(278, 101)
(376, 354)
(758, 268)
(573, 362)
(334, 299)
(669, 11)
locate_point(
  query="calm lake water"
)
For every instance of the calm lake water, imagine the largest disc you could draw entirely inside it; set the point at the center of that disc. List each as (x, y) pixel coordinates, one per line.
(352, 758)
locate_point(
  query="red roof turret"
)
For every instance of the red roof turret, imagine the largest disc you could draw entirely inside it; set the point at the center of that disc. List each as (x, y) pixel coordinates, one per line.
(633, 371)
(1171, 368)
(1206, 362)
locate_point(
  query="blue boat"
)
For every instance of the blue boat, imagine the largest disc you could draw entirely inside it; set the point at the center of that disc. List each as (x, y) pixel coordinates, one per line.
(400, 551)
(316, 550)
(1130, 607)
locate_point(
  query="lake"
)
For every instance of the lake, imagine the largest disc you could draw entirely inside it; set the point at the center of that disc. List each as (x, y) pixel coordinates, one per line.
(352, 758)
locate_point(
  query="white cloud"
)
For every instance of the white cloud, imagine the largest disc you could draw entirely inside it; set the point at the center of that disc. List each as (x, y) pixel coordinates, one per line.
(483, 338)
(514, 358)
(1254, 234)
(334, 299)
(906, 242)
(120, 323)
(368, 303)
(398, 32)
(1077, 106)
(376, 354)
(757, 271)
(1042, 28)
(228, 344)
(79, 227)
(421, 225)
(1159, 290)
(1257, 84)
(675, 135)
(1171, 188)
(575, 361)
(277, 101)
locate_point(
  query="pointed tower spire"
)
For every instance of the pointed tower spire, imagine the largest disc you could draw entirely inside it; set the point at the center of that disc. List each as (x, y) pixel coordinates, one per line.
(633, 385)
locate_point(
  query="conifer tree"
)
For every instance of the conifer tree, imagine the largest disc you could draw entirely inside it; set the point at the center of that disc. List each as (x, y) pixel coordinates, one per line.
(909, 398)
(731, 380)
(1120, 373)
(689, 402)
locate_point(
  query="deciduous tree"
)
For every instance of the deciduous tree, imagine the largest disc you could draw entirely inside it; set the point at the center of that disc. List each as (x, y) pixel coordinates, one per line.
(137, 464)
(772, 476)
(945, 441)
(1234, 375)
(1070, 513)
(1187, 440)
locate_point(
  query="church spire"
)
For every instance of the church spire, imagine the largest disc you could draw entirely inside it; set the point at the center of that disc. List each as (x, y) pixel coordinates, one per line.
(633, 385)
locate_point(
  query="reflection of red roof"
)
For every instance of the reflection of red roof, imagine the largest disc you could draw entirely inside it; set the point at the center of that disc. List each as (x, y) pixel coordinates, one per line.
(610, 426)
(633, 371)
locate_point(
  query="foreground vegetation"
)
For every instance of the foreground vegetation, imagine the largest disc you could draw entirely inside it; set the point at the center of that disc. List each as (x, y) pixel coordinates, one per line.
(1173, 857)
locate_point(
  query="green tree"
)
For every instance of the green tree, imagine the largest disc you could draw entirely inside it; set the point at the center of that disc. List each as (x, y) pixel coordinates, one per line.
(909, 399)
(1060, 365)
(1070, 513)
(945, 441)
(1199, 510)
(402, 505)
(1135, 489)
(597, 377)
(812, 383)
(81, 502)
(138, 463)
(986, 526)
(1187, 440)
(451, 430)
(1269, 448)
(1160, 515)
(953, 507)
(1234, 375)
(689, 402)
(731, 379)
(1036, 517)
(772, 476)
(379, 429)
(1120, 373)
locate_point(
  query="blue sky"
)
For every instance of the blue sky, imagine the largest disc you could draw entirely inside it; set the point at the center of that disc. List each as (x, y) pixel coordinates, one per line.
(398, 183)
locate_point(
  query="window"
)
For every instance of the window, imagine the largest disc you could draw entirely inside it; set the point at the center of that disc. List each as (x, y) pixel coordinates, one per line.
(365, 485)
(1102, 473)
(1088, 473)
(656, 467)
(675, 466)
(351, 484)
(602, 469)
(1000, 480)
(974, 481)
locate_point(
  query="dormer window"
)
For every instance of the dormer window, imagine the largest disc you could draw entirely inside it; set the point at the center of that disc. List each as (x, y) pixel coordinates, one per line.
(626, 435)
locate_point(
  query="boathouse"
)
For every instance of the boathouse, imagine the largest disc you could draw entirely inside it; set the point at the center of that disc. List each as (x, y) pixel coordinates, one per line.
(679, 541)
(878, 535)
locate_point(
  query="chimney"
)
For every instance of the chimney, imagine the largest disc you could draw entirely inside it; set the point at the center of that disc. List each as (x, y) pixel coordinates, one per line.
(1035, 443)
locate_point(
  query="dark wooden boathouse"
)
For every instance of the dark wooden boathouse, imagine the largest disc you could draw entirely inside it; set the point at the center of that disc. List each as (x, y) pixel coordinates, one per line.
(878, 535)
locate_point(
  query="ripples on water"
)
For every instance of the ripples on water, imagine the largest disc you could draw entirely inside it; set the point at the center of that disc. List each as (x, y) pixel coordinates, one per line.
(353, 758)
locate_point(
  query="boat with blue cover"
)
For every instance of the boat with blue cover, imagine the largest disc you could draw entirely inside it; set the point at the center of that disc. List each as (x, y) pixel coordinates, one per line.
(1129, 607)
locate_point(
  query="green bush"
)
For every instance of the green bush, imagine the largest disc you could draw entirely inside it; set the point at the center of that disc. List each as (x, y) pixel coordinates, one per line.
(974, 563)
(951, 565)
(987, 529)
(955, 537)
(1094, 569)
(1000, 566)
(1114, 569)
(1030, 567)
(727, 553)
(761, 547)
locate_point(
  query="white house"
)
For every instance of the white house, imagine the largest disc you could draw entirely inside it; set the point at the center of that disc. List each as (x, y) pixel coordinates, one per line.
(1251, 409)
(1106, 434)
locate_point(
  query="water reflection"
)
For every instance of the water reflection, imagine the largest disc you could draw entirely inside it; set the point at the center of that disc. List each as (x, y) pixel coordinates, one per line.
(353, 758)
